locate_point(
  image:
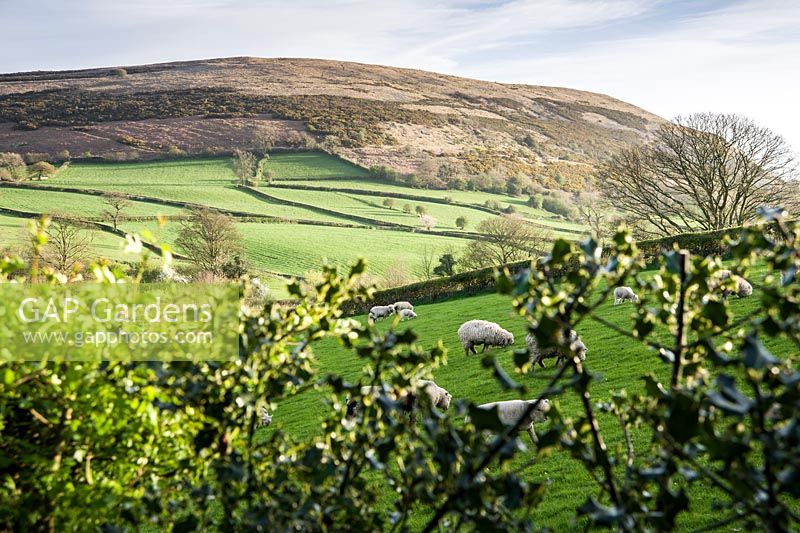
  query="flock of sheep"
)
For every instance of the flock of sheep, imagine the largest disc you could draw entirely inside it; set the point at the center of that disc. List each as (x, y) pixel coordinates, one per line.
(489, 334)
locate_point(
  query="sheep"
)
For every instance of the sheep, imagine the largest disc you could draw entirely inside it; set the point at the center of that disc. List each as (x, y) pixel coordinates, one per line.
(624, 294)
(439, 396)
(380, 311)
(510, 412)
(538, 355)
(743, 287)
(475, 332)
(407, 314)
(266, 418)
(399, 306)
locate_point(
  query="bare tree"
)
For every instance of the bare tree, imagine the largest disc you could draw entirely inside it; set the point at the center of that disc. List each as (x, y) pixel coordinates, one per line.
(68, 242)
(117, 204)
(592, 213)
(210, 240)
(245, 166)
(426, 264)
(704, 172)
(505, 239)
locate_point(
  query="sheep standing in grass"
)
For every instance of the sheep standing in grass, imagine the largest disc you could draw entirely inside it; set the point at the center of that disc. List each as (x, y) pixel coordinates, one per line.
(538, 355)
(477, 332)
(743, 287)
(380, 311)
(407, 314)
(624, 294)
(399, 306)
(513, 413)
(439, 396)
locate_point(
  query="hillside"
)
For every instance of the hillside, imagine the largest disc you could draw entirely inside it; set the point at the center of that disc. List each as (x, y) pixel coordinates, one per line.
(408, 120)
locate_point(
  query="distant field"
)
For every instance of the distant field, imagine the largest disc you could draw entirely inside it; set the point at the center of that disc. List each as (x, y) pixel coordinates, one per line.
(14, 233)
(84, 205)
(311, 165)
(209, 182)
(296, 249)
(470, 197)
(372, 207)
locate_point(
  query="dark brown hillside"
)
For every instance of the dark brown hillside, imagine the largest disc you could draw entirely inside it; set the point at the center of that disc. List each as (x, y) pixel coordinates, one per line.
(404, 119)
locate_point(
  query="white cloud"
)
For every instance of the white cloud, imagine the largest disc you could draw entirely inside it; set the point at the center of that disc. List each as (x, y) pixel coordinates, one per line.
(741, 57)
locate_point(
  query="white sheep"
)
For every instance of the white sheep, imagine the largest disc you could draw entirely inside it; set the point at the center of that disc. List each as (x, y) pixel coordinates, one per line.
(266, 418)
(399, 306)
(538, 355)
(475, 332)
(439, 396)
(510, 412)
(624, 294)
(407, 314)
(380, 311)
(743, 287)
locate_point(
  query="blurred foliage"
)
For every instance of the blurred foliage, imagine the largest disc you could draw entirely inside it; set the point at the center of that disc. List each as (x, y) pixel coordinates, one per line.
(173, 445)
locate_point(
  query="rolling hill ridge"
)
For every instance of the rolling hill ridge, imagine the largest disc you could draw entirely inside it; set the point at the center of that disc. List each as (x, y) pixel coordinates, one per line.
(407, 120)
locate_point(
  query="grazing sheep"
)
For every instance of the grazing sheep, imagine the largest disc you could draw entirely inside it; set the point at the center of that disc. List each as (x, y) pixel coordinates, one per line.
(511, 411)
(399, 306)
(624, 294)
(266, 418)
(380, 311)
(477, 332)
(407, 314)
(743, 287)
(439, 396)
(538, 355)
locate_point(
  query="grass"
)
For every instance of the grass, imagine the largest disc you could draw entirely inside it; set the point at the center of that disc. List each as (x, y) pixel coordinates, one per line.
(50, 202)
(469, 197)
(372, 207)
(619, 361)
(14, 234)
(296, 249)
(210, 182)
(311, 165)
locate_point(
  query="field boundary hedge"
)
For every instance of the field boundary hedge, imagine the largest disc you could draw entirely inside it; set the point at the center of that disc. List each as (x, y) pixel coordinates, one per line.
(412, 197)
(482, 281)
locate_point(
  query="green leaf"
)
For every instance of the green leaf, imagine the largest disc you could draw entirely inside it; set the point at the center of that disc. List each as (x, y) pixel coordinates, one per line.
(485, 418)
(503, 378)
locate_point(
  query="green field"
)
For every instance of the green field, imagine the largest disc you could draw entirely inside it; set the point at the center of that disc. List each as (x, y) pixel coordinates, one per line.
(620, 361)
(296, 249)
(86, 206)
(311, 165)
(284, 248)
(210, 182)
(467, 197)
(372, 207)
(14, 234)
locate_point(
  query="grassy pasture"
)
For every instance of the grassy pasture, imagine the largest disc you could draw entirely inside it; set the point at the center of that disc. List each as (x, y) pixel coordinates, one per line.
(372, 207)
(620, 361)
(80, 204)
(310, 165)
(296, 249)
(14, 233)
(210, 182)
(470, 197)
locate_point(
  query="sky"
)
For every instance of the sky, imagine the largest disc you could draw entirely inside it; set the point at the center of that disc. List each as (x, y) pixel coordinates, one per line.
(670, 57)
